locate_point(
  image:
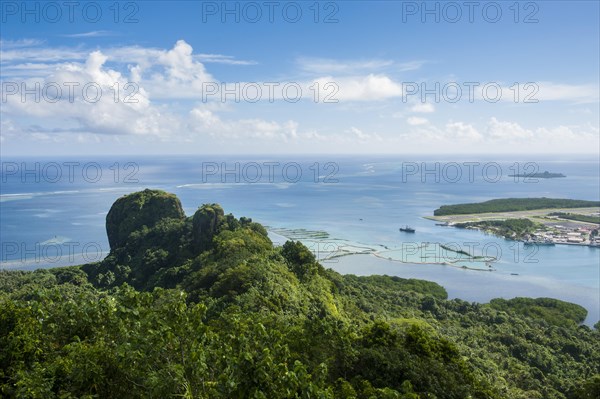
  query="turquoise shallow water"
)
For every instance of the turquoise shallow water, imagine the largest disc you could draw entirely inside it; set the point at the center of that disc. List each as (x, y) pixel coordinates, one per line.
(358, 201)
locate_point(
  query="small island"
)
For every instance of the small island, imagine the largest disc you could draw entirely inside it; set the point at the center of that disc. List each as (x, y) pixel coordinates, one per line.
(542, 175)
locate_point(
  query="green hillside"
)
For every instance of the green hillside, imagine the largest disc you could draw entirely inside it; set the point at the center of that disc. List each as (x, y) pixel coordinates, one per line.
(206, 307)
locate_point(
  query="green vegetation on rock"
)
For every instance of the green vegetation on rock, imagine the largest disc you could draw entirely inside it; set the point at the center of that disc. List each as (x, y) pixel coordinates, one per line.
(145, 208)
(206, 307)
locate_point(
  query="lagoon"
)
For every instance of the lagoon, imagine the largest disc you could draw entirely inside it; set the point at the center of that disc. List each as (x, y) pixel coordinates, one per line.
(357, 201)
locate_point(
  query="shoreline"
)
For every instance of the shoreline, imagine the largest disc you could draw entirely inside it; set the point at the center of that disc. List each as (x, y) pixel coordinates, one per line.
(549, 230)
(378, 255)
(322, 248)
(507, 282)
(476, 287)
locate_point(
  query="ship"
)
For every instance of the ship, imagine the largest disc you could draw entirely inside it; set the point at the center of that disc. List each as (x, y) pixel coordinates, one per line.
(407, 229)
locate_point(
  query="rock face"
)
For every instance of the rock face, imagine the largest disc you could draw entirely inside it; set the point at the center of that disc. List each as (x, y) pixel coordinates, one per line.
(153, 244)
(207, 222)
(143, 208)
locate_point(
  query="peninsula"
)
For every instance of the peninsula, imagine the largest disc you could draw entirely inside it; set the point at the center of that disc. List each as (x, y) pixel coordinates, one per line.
(543, 221)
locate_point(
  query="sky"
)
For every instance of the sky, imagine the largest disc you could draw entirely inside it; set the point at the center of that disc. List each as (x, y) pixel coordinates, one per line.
(283, 77)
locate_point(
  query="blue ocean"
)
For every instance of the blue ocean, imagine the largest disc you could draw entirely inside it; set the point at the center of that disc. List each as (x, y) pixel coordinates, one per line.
(52, 212)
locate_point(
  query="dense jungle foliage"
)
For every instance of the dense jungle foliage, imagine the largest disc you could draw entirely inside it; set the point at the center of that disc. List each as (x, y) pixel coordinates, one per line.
(509, 228)
(206, 307)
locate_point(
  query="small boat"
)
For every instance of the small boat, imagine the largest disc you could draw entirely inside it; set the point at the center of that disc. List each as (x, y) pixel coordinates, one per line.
(514, 274)
(445, 224)
(547, 242)
(407, 229)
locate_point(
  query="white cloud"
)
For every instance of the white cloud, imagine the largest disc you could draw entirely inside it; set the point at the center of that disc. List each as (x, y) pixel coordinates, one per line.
(543, 91)
(425, 108)
(205, 121)
(7, 129)
(25, 60)
(223, 59)
(179, 73)
(103, 108)
(322, 66)
(95, 33)
(550, 91)
(165, 74)
(509, 131)
(330, 66)
(364, 137)
(179, 62)
(417, 108)
(29, 69)
(173, 73)
(568, 133)
(361, 88)
(409, 66)
(461, 130)
(5, 44)
(505, 136)
(416, 121)
(40, 54)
